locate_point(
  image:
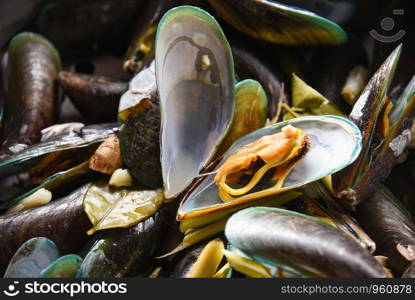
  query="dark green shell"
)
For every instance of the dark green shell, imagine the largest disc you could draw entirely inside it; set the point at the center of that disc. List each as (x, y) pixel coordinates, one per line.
(127, 252)
(139, 119)
(301, 242)
(386, 221)
(32, 257)
(63, 221)
(32, 101)
(139, 144)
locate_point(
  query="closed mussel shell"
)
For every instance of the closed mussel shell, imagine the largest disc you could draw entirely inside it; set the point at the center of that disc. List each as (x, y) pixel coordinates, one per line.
(301, 242)
(31, 91)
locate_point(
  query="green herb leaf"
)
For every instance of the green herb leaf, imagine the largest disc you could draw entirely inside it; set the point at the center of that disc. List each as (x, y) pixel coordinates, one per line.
(109, 207)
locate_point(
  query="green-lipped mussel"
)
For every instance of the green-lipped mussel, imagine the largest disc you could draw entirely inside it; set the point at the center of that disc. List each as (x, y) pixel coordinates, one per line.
(385, 133)
(58, 161)
(96, 97)
(63, 221)
(279, 23)
(139, 118)
(279, 236)
(337, 152)
(32, 257)
(32, 102)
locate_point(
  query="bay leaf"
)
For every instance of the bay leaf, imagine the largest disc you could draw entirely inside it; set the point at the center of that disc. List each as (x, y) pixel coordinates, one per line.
(109, 207)
(306, 101)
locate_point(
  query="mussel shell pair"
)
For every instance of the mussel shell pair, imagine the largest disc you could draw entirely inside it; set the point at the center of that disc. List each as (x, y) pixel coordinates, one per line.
(299, 242)
(195, 79)
(139, 119)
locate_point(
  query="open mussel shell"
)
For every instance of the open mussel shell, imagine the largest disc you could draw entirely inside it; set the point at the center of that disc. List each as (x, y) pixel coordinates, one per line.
(31, 91)
(79, 27)
(306, 244)
(32, 257)
(195, 79)
(335, 143)
(278, 23)
(30, 157)
(385, 135)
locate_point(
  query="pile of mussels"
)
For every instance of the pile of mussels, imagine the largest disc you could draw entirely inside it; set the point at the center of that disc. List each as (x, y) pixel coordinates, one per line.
(192, 138)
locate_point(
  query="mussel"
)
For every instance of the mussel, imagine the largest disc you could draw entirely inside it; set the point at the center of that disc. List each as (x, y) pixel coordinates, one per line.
(337, 152)
(64, 267)
(280, 151)
(96, 97)
(305, 244)
(32, 257)
(195, 80)
(56, 145)
(385, 132)
(279, 23)
(63, 221)
(32, 92)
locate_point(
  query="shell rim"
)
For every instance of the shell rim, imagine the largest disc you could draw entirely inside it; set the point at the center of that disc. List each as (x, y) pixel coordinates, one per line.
(206, 16)
(345, 123)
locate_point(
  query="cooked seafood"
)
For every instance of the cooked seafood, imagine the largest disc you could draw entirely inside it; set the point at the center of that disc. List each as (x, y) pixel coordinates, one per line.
(325, 255)
(31, 89)
(253, 138)
(63, 221)
(96, 97)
